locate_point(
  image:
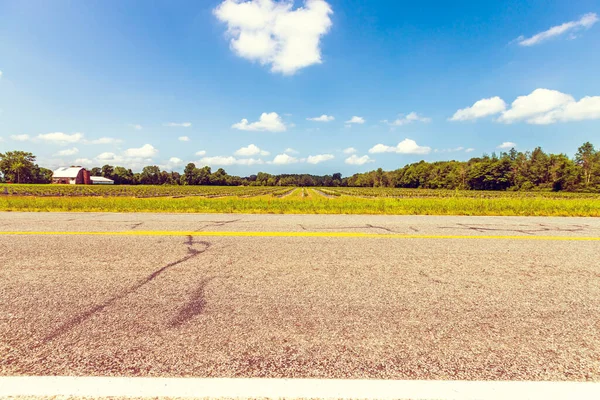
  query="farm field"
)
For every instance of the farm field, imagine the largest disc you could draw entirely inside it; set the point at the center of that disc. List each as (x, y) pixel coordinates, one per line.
(277, 200)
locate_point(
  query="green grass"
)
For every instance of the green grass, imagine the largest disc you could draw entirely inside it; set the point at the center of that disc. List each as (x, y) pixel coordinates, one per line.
(313, 203)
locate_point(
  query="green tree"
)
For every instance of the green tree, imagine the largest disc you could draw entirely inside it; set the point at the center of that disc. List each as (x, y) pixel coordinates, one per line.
(18, 166)
(108, 171)
(585, 158)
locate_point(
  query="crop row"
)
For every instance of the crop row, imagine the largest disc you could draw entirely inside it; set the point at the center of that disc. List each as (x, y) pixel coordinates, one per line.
(138, 191)
(441, 193)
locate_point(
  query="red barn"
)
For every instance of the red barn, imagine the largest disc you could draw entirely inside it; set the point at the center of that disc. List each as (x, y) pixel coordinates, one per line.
(72, 176)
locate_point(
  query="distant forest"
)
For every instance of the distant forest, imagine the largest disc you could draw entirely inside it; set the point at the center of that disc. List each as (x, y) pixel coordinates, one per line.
(513, 170)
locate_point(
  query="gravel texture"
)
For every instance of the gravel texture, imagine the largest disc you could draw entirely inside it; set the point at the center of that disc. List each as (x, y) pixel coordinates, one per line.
(300, 307)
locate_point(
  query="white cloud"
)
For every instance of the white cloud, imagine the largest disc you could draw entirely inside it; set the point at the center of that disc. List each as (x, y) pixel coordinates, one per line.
(585, 22)
(83, 161)
(480, 109)
(469, 150)
(61, 138)
(322, 118)
(183, 139)
(146, 151)
(507, 145)
(251, 150)
(282, 159)
(105, 140)
(356, 160)
(407, 146)
(319, 158)
(412, 117)
(289, 150)
(544, 106)
(178, 124)
(134, 158)
(222, 160)
(356, 120)
(20, 138)
(173, 163)
(271, 122)
(109, 157)
(137, 127)
(349, 150)
(275, 34)
(68, 152)
(201, 153)
(0, 74)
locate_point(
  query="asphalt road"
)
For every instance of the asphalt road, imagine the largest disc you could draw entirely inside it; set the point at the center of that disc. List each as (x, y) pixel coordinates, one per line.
(461, 298)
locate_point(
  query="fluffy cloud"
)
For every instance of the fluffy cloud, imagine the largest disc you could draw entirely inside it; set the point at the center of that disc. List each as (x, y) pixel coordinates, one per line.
(134, 158)
(68, 152)
(283, 159)
(20, 138)
(183, 138)
(540, 107)
(224, 161)
(83, 161)
(480, 109)
(251, 150)
(178, 124)
(407, 146)
(109, 157)
(322, 118)
(289, 150)
(544, 106)
(356, 160)
(146, 151)
(319, 158)
(403, 120)
(61, 138)
(270, 122)
(173, 163)
(507, 145)
(349, 150)
(201, 153)
(356, 120)
(105, 140)
(0, 74)
(275, 34)
(585, 22)
(469, 150)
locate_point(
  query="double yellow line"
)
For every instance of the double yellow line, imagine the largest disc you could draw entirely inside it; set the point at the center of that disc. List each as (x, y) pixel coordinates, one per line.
(302, 234)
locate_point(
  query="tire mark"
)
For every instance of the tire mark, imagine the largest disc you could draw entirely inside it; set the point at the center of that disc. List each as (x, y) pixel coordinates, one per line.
(84, 316)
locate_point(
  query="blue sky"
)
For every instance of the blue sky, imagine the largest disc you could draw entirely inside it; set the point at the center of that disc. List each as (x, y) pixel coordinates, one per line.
(125, 82)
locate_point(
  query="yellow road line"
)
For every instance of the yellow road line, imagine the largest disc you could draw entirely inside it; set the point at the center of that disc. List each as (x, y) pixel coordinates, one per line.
(293, 234)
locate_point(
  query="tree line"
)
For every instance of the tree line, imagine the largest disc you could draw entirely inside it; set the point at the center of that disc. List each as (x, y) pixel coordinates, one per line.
(513, 170)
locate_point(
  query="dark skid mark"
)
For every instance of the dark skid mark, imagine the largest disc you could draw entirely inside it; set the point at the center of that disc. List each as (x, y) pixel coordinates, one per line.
(367, 226)
(195, 305)
(79, 319)
(216, 224)
(526, 230)
(136, 225)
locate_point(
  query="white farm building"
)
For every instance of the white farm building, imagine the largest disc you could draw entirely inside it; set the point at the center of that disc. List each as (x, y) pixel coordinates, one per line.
(78, 176)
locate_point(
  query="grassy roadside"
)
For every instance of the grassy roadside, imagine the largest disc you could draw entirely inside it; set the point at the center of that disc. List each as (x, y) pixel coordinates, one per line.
(313, 203)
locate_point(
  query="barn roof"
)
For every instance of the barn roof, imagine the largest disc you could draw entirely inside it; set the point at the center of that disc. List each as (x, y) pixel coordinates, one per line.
(100, 179)
(66, 172)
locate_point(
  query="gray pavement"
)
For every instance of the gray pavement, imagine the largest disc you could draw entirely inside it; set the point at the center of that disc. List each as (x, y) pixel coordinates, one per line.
(470, 309)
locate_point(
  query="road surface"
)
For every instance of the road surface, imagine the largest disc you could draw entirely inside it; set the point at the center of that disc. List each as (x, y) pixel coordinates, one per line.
(378, 297)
